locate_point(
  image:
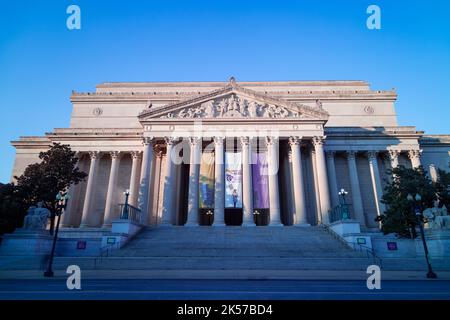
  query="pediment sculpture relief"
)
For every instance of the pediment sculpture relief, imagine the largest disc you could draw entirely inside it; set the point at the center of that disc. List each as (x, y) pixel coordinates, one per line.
(233, 106)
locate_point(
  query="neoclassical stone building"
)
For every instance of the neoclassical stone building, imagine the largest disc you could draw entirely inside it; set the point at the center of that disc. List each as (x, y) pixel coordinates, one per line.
(228, 153)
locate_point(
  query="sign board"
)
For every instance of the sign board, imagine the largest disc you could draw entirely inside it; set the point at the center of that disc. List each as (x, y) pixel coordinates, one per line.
(392, 246)
(81, 245)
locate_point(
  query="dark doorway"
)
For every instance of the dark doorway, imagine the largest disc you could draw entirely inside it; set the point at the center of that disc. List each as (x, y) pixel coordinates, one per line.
(233, 216)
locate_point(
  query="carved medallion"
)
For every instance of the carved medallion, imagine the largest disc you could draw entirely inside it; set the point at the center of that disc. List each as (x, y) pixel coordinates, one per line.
(97, 112)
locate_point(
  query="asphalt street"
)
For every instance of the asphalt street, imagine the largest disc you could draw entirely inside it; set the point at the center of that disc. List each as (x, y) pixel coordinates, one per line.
(223, 290)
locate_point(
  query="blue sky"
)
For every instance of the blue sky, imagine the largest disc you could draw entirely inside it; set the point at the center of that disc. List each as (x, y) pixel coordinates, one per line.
(41, 61)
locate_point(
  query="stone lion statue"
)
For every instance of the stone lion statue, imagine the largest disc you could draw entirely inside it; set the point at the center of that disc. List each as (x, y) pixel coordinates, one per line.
(37, 217)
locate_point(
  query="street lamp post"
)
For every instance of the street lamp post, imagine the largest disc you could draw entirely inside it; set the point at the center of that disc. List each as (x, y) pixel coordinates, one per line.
(125, 207)
(419, 217)
(62, 198)
(344, 206)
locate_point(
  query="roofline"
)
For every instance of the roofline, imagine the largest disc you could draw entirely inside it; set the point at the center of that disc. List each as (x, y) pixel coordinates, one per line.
(221, 83)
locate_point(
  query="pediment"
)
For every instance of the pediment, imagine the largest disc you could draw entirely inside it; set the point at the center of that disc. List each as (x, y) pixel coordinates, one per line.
(234, 102)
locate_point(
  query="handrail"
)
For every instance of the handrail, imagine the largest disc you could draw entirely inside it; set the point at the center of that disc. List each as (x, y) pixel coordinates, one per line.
(105, 252)
(129, 212)
(370, 252)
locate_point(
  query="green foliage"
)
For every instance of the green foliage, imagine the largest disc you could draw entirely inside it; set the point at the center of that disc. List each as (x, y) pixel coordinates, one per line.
(57, 171)
(442, 186)
(399, 216)
(12, 208)
(42, 181)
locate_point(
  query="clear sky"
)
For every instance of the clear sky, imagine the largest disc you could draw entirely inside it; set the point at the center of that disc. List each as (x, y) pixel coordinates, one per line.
(41, 61)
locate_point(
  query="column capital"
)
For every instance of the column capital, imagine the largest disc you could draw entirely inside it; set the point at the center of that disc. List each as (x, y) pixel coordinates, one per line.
(194, 140)
(330, 154)
(147, 141)
(218, 140)
(171, 140)
(115, 155)
(372, 155)
(245, 141)
(136, 155)
(351, 155)
(393, 154)
(414, 154)
(271, 140)
(94, 155)
(295, 140)
(318, 141)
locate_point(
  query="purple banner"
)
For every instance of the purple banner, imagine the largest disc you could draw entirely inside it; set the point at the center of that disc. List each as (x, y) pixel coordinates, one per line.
(260, 179)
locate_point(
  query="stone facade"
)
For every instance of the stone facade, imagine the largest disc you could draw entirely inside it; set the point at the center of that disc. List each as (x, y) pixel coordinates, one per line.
(319, 137)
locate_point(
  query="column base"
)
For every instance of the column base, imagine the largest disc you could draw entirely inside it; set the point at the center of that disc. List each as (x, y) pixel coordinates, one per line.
(302, 225)
(219, 224)
(191, 224)
(249, 224)
(165, 224)
(276, 224)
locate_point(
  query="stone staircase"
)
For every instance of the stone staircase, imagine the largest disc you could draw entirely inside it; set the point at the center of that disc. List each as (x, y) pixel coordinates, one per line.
(230, 248)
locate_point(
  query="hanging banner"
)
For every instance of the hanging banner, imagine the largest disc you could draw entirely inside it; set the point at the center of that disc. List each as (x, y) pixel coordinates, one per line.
(233, 180)
(206, 181)
(260, 180)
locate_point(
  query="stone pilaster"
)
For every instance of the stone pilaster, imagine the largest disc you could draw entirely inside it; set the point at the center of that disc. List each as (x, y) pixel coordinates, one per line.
(136, 157)
(86, 219)
(144, 185)
(414, 156)
(247, 188)
(219, 194)
(325, 204)
(358, 208)
(376, 181)
(194, 174)
(331, 165)
(299, 189)
(274, 192)
(110, 207)
(169, 185)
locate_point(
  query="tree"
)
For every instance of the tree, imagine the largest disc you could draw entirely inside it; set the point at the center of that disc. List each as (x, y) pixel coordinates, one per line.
(399, 216)
(12, 208)
(442, 186)
(43, 181)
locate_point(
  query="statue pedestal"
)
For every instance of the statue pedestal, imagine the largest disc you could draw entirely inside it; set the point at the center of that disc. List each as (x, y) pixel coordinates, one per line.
(26, 243)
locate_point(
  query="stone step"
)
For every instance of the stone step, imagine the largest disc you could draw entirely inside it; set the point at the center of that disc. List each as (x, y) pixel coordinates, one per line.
(216, 263)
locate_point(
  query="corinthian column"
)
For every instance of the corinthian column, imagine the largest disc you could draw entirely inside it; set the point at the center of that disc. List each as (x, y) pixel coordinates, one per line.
(136, 157)
(194, 174)
(299, 190)
(86, 219)
(144, 185)
(67, 219)
(332, 178)
(414, 156)
(247, 198)
(274, 193)
(358, 208)
(324, 190)
(114, 172)
(219, 195)
(376, 182)
(393, 157)
(168, 201)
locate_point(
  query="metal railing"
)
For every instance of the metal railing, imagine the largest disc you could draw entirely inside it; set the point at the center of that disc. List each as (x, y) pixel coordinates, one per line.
(105, 252)
(340, 212)
(370, 253)
(128, 212)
